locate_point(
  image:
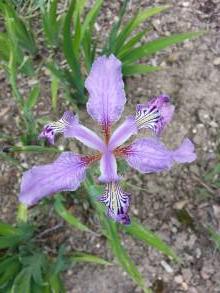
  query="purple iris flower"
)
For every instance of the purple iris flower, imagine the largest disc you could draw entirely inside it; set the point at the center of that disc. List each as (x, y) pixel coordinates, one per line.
(105, 105)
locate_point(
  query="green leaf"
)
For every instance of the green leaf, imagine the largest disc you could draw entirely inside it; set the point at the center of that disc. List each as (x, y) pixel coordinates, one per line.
(110, 231)
(22, 234)
(18, 29)
(51, 25)
(111, 40)
(56, 284)
(4, 47)
(9, 267)
(6, 229)
(68, 217)
(36, 265)
(34, 149)
(91, 17)
(77, 36)
(70, 53)
(22, 282)
(121, 254)
(54, 91)
(80, 4)
(134, 23)
(132, 69)
(67, 43)
(156, 46)
(140, 232)
(131, 43)
(85, 257)
(215, 236)
(33, 97)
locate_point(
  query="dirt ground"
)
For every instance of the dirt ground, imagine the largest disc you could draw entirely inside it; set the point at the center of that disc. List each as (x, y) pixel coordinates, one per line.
(191, 76)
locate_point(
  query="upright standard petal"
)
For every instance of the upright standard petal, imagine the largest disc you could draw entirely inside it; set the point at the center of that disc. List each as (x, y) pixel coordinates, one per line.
(108, 168)
(117, 201)
(123, 133)
(65, 174)
(70, 126)
(150, 155)
(155, 114)
(106, 90)
(86, 136)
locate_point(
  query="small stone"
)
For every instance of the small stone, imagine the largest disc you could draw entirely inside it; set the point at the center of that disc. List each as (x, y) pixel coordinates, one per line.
(216, 61)
(184, 286)
(185, 4)
(167, 267)
(213, 124)
(179, 205)
(178, 279)
(198, 253)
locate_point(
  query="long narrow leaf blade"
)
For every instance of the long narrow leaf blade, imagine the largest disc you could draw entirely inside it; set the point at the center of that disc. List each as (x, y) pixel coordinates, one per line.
(85, 257)
(135, 22)
(122, 256)
(91, 17)
(33, 148)
(114, 241)
(140, 232)
(68, 217)
(132, 69)
(156, 46)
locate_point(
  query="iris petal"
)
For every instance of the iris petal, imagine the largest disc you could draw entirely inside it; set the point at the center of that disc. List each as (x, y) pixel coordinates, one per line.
(106, 91)
(123, 133)
(70, 126)
(64, 174)
(117, 201)
(155, 114)
(108, 167)
(150, 155)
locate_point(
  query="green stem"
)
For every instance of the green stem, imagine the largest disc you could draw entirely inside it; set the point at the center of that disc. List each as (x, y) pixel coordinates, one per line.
(22, 213)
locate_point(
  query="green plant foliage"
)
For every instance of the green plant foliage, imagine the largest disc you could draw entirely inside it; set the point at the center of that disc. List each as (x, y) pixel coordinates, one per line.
(215, 237)
(140, 232)
(17, 29)
(24, 267)
(88, 258)
(52, 23)
(69, 217)
(109, 229)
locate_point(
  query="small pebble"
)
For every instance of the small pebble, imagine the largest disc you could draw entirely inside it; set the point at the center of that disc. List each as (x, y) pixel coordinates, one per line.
(167, 267)
(216, 61)
(178, 279)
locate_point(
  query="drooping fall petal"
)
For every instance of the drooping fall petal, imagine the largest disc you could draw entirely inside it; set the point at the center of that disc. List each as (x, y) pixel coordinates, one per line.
(151, 155)
(117, 201)
(64, 174)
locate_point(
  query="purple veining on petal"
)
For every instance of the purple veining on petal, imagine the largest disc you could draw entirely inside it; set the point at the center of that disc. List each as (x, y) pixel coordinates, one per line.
(117, 202)
(51, 129)
(108, 167)
(106, 90)
(64, 174)
(151, 155)
(155, 114)
(123, 133)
